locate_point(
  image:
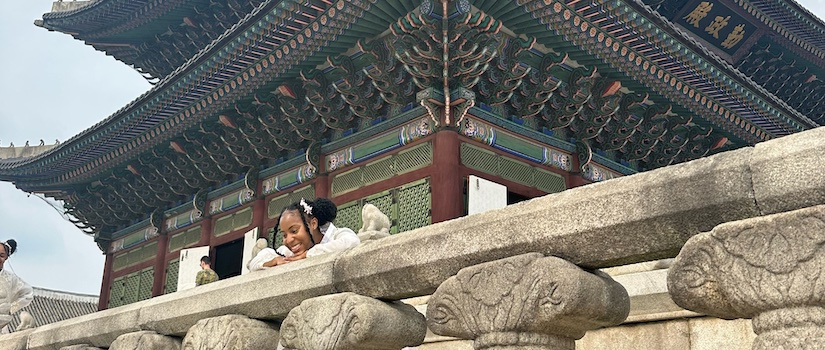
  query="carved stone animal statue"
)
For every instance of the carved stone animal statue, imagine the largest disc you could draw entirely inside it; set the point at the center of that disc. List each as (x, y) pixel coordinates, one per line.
(260, 244)
(26, 321)
(376, 224)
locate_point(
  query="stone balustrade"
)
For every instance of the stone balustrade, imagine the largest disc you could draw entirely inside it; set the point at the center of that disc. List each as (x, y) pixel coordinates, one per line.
(526, 302)
(768, 268)
(632, 219)
(351, 321)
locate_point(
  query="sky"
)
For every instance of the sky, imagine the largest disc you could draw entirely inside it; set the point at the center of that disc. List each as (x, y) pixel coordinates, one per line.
(54, 87)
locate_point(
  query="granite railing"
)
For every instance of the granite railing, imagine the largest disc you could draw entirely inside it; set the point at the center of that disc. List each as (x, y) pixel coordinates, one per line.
(523, 277)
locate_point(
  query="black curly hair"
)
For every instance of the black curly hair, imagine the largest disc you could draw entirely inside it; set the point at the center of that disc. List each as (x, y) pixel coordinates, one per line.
(322, 209)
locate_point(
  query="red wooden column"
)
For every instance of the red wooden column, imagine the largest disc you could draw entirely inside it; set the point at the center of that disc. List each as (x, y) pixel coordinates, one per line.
(259, 216)
(446, 181)
(103, 301)
(575, 179)
(206, 234)
(160, 265)
(322, 186)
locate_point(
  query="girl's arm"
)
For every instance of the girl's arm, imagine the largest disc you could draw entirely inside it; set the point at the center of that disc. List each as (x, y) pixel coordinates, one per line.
(342, 239)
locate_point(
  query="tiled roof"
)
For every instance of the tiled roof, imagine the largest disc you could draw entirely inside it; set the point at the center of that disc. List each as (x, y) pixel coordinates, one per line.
(51, 306)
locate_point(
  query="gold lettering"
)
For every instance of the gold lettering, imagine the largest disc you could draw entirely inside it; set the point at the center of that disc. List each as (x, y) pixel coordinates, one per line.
(734, 37)
(718, 23)
(699, 13)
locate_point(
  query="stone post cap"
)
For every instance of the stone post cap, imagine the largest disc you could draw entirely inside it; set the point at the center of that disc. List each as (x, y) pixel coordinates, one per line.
(526, 294)
(145, 340)
(348, 321)
(743, 268)
(230, 332)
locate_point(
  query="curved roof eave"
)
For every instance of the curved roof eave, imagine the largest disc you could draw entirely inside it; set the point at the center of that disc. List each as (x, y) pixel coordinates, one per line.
(121, 15)
(145, 97)
(103, 145)
(720, 62)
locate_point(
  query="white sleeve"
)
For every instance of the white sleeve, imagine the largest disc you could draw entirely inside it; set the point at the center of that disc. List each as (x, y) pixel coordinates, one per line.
(284, 251)
(342, 239)
(257, 263)
(22, 297)
(265, 255)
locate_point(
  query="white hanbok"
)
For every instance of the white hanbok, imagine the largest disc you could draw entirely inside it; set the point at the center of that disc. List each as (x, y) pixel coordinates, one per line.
(335, 239)
(15, 294)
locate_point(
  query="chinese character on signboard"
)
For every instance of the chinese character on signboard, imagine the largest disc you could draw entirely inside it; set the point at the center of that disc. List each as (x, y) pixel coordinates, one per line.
(715, 23)
(698, 14)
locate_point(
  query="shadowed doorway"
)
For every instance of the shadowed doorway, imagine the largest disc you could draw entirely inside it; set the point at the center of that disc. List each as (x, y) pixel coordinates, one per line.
(228, 259)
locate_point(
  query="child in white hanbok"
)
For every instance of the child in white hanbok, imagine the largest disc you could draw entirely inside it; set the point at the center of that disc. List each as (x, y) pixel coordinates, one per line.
(15, 294)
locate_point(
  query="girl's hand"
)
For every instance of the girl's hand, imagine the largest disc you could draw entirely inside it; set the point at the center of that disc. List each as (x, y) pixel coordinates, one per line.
(299, 256)
(275, 262)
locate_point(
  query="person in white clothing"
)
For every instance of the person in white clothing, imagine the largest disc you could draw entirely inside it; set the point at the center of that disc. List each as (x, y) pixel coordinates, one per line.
(15, 294)
(308, 231)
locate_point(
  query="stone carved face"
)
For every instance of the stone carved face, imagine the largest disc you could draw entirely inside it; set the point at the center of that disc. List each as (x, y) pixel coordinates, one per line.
(296, 237)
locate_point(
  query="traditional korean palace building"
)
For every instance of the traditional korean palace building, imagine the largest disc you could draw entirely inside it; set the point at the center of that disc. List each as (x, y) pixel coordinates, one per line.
(258, 103)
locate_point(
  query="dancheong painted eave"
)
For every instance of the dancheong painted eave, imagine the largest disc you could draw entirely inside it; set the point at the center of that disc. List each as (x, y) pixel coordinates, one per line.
(216, 72)
(291, 76)
(153, 36)
(133, 119)
(777, 44)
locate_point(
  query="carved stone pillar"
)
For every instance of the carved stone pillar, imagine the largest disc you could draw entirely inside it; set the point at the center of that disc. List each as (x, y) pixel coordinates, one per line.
(526, 302)
(231, 332)
(145, 340)
(349, 321)
(768, 268)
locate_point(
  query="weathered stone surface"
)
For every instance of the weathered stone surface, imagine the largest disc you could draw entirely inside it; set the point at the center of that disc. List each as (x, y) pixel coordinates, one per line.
(709, 333)
(145, 340)
(669, 335)
(348, 321)
(15, 341)
(649, 298)
(526, 300)
(767, 268)
(790, 328)
(97, 329)
(787, 172)
(446, 345)
(268, 294)
(231, 332)
(635, 218)
(80, 347)
(696, 333)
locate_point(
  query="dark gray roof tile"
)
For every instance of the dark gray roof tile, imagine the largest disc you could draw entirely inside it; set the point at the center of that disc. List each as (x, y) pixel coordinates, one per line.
(51, 306)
